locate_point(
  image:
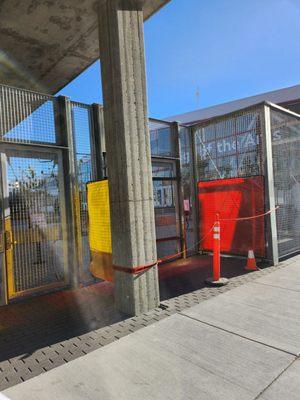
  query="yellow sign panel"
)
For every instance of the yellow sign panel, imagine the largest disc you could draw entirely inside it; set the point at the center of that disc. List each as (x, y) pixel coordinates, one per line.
(99, 217)
(99, 230)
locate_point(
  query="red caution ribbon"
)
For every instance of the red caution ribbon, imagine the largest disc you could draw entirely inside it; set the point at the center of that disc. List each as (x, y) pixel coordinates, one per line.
(135, 270)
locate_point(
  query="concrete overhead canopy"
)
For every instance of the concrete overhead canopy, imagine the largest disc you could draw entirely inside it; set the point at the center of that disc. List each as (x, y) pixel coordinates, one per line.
(45, 44)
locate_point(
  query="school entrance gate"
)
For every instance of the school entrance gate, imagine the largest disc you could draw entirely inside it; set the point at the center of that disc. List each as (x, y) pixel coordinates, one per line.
(34, 219)
(46, 152)
(50, 148)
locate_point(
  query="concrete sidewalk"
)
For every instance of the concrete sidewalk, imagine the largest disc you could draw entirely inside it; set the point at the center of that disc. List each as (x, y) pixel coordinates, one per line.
(243, 344)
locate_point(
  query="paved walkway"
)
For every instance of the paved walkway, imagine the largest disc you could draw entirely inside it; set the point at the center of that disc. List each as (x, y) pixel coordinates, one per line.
(45, 332)
(243, 344)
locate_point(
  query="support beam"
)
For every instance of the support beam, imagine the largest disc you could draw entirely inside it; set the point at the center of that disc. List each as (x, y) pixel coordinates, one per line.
(121, 40)
(273, 238)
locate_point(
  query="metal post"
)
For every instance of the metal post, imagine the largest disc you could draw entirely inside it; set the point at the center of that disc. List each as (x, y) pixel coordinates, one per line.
(269, 184)
(69, 167)
(7, 272)
(3, 283)
(98, 140)
(196, 212)
(175, 134)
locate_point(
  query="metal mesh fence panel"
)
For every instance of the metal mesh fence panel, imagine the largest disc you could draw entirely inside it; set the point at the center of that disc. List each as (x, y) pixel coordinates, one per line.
(164, 151)
(230, 147)
(27, 117)
(36, 220)
(229, 161)
(188, 188)
(81, 119)
(285, 129)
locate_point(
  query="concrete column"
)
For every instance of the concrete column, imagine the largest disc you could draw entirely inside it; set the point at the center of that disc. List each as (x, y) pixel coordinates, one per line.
(121, 41)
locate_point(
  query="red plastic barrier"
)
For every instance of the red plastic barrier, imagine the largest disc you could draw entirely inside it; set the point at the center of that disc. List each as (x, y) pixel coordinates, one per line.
(233, 198)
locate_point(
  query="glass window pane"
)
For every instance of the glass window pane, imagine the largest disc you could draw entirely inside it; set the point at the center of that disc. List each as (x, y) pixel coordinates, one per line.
(166, 209)
(162, 169)
(162, 139)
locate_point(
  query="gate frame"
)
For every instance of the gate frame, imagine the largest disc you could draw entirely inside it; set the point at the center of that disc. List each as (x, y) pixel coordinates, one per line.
(18, 149)
(65, 146)
(68, 134)
(3, 286)
(66, 139)
(271, 234)
(174, 130)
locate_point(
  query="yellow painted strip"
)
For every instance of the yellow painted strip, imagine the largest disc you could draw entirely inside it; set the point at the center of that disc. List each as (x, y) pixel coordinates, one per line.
(9, 262)
(99, 217)
(101, 265)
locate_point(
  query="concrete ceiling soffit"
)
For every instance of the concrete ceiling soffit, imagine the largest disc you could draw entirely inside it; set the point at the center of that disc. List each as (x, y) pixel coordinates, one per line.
(45, 44)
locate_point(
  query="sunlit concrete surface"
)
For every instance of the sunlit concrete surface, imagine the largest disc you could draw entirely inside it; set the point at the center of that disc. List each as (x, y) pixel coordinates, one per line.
(190, 356)
(27, 326)
(282, 280)
(178, 358)
(42, 333)
(259, 311)
(286, 387)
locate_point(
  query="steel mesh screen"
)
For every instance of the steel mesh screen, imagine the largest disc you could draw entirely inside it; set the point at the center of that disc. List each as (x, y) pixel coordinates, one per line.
(27, 117)
(285, 130)
(36, 220)
(188, 190)
(81, 119)
(229, 151)
(231, 147)
(165, 193)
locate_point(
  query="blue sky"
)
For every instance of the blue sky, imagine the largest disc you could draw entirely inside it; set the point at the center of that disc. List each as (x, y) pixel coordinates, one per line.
(224, 49)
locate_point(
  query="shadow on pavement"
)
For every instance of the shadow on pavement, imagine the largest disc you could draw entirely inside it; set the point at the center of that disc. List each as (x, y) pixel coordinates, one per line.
(45, 320)
(186, 275)
(42, 321)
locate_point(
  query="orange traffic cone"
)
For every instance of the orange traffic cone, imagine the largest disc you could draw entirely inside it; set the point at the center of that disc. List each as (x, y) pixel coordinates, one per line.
(251, 263)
